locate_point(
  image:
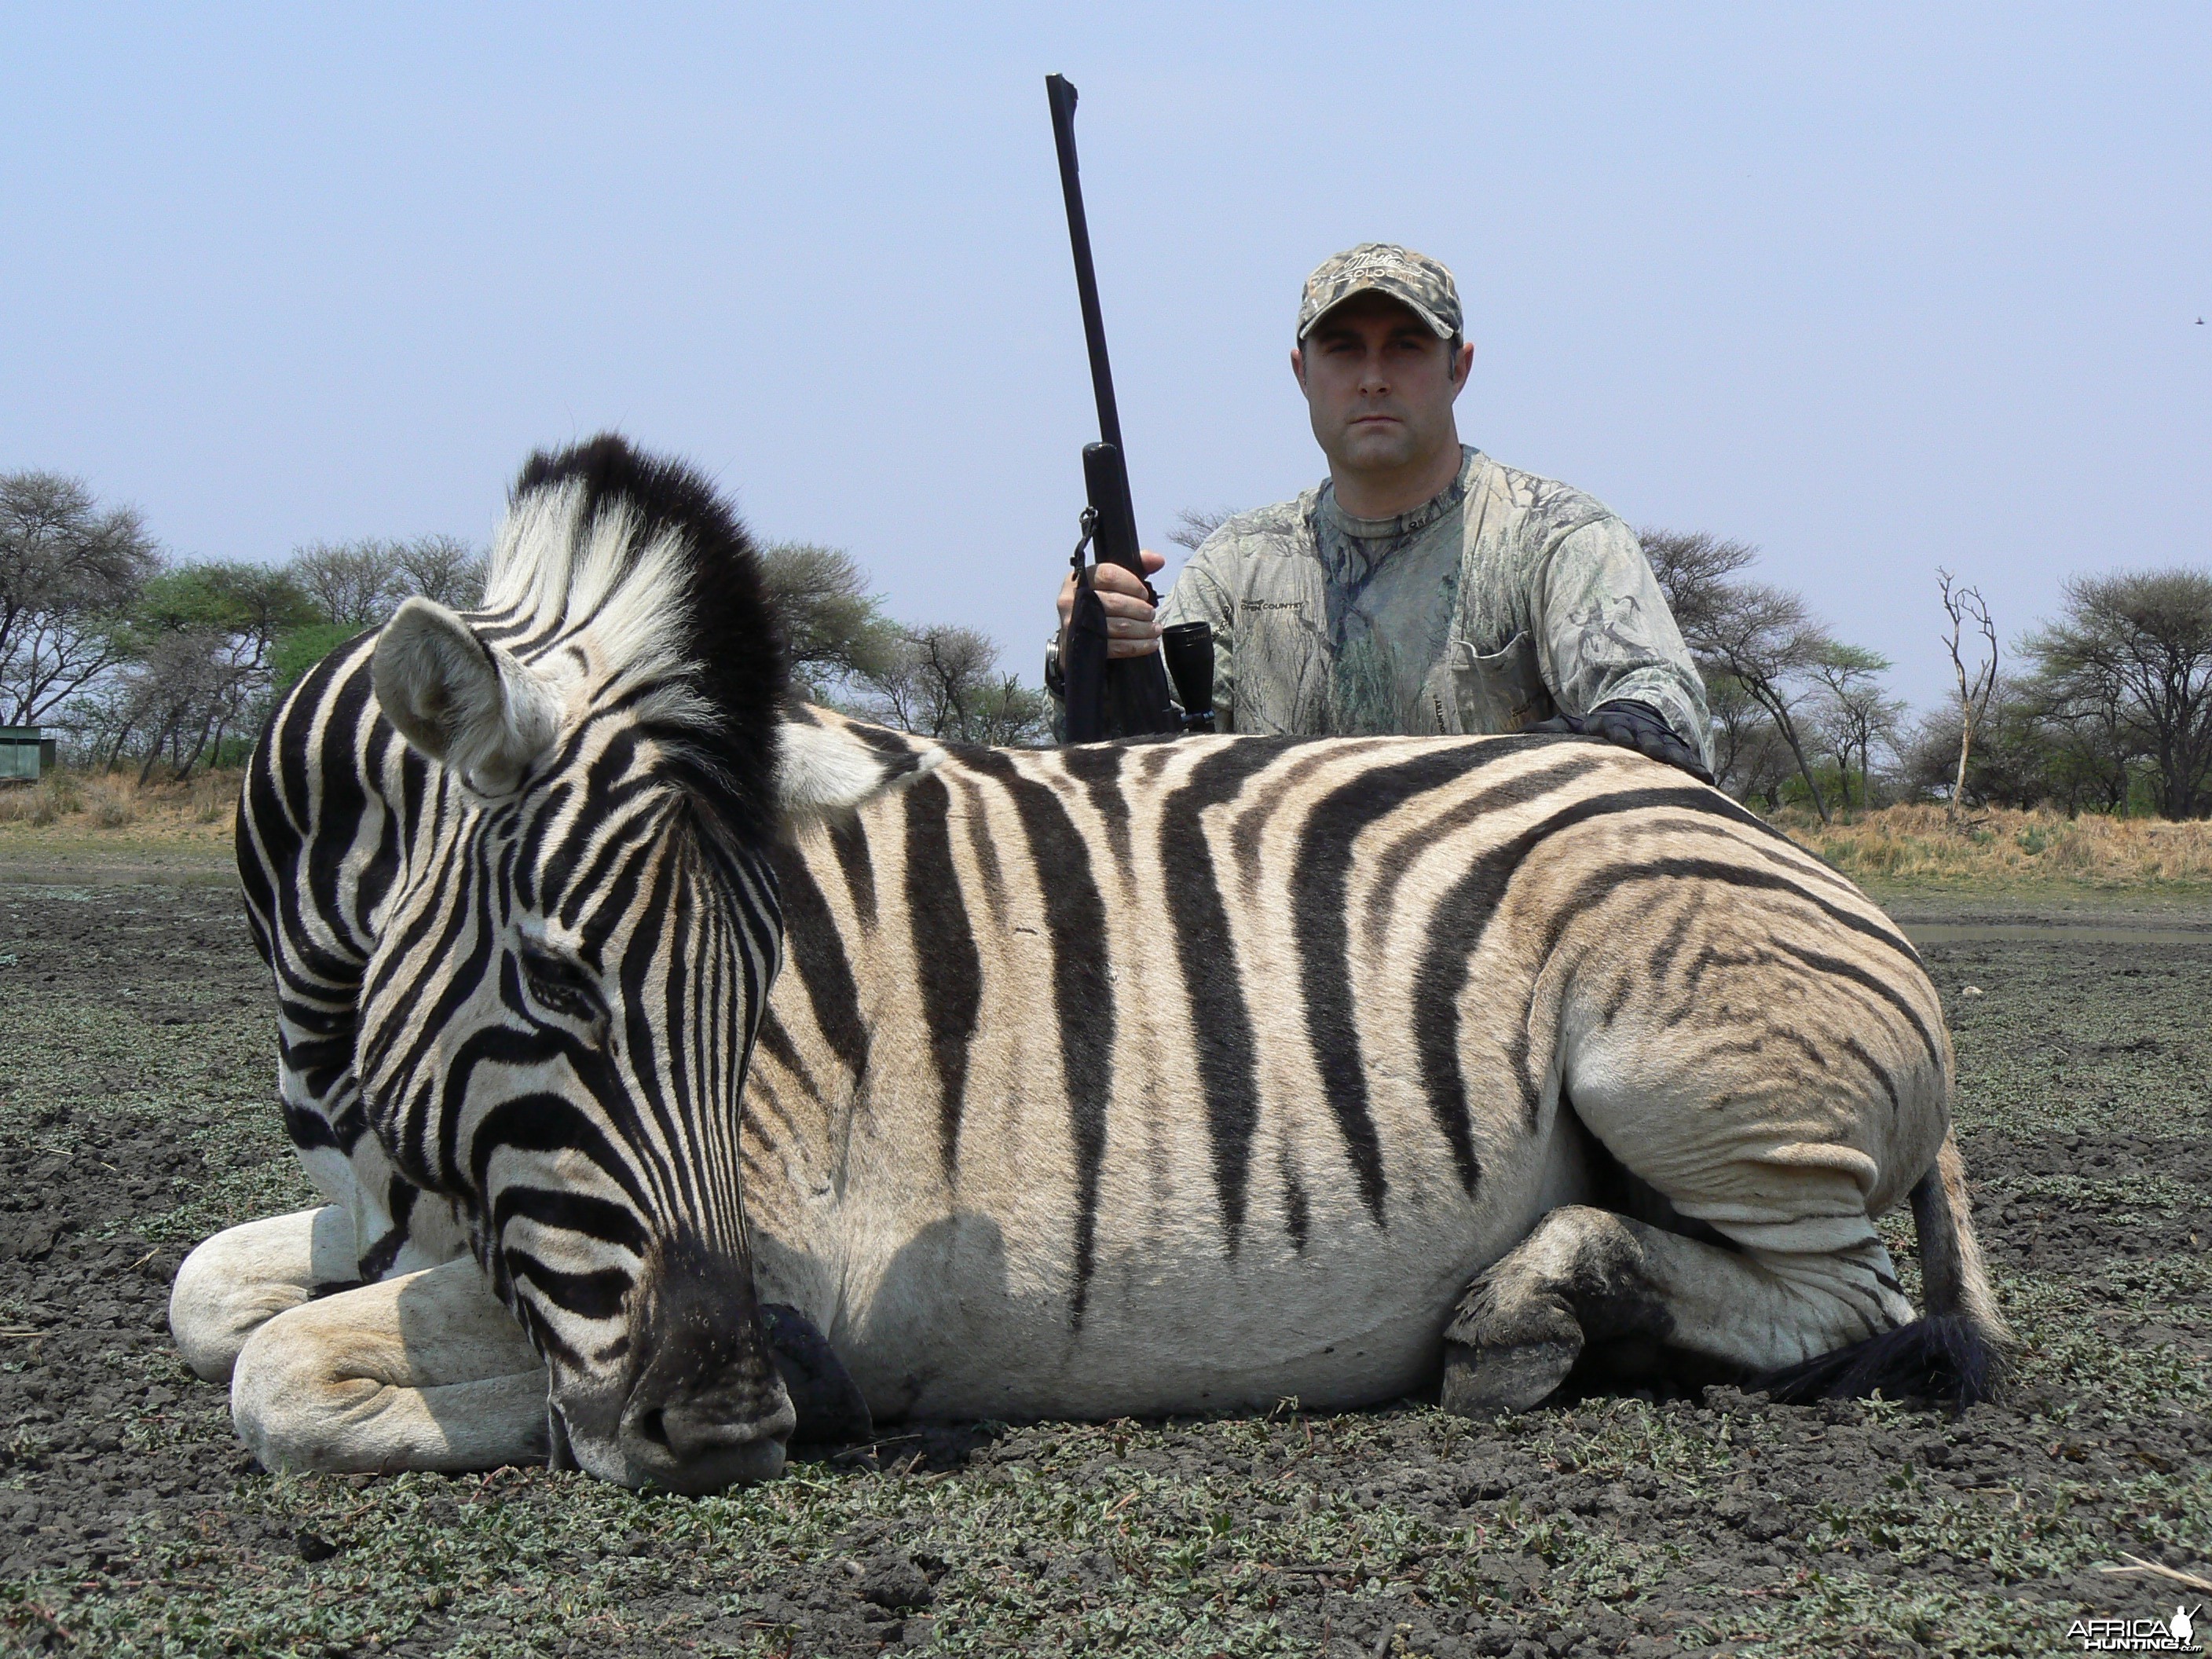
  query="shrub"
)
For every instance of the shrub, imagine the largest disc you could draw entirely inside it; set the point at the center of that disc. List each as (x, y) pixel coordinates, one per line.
(42, 802)
(112, 802)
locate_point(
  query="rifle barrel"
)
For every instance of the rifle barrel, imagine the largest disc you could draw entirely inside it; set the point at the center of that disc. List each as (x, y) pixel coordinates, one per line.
(1061, 92)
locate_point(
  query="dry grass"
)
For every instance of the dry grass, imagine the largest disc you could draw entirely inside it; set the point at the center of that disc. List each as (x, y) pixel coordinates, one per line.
(1916, 845)
(113, 802)
(214, 798)
(78, 806)
(1897, 847)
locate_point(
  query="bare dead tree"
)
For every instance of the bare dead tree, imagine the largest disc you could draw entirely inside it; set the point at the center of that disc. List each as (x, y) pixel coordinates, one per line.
(1967, 609)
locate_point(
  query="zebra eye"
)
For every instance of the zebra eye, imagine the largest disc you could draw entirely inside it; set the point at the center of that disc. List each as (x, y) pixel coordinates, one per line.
(561, 985)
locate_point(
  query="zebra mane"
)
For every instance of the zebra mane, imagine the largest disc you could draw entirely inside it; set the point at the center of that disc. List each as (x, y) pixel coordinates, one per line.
(644, 557)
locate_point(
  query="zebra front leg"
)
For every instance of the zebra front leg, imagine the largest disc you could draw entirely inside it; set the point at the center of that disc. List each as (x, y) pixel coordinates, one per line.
(426, 1372)
(1588, 1279)
(237, 1281)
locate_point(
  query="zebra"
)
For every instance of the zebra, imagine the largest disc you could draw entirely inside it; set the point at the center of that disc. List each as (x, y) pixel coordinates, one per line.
(1169, 1077)
(511, 874)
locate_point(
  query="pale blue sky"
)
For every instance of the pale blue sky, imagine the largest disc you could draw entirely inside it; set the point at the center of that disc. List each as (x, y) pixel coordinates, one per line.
(1876, 288)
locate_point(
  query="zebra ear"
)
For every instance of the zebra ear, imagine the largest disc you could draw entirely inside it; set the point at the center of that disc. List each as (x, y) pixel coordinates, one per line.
(475, 708)
(826, 771)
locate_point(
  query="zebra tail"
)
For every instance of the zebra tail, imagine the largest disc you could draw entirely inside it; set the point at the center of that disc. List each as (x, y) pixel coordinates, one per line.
(1957, 1352)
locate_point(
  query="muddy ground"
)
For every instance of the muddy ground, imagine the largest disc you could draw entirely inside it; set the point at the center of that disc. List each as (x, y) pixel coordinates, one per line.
(135, 1061)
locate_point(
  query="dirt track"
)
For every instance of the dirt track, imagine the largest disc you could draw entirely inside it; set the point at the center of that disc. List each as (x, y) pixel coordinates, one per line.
(134, 1069)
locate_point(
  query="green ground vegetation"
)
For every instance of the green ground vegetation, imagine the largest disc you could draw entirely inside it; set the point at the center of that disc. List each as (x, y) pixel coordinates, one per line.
(1198, 1534)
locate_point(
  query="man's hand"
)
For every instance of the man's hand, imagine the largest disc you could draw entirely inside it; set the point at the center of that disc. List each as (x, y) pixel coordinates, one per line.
(1635, 725)
(1131, 629)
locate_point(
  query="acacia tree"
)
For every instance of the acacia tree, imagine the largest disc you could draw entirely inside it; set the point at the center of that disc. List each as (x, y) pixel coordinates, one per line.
(944, 682)
(2082, 739)
(184, 686)
(1766, 638)
(1763, 638)
(445, 568)
(2028, 749)
(2134, 651)
(1749, 757)
(355, 585)
(68, 570)
(358, 585)
(1856, 713)
(941, 682)
(836, 629)
(205, 637)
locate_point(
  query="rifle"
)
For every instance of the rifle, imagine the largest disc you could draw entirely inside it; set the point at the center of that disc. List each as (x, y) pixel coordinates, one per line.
(1123, 697)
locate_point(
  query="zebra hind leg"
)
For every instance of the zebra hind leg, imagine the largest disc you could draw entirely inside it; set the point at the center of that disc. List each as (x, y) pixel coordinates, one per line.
(1961, 1350)
(1587, 1281)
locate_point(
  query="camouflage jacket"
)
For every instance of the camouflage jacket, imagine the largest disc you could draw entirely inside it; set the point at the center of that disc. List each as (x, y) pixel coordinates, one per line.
(1502, 601)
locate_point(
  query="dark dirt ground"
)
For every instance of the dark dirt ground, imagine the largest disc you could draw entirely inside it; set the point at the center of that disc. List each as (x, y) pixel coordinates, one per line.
(134, 1064)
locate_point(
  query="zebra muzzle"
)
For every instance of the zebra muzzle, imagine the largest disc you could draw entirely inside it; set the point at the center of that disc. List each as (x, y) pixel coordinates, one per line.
(707, 1442)
(706, 1407)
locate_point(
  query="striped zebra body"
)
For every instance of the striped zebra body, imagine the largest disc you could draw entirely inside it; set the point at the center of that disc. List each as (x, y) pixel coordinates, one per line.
(1161, 1076)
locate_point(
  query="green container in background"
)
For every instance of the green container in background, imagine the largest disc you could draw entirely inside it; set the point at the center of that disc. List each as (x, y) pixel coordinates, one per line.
(25, 752)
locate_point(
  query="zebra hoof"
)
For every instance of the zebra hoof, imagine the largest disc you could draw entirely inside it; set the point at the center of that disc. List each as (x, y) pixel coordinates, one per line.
(1485, 1381)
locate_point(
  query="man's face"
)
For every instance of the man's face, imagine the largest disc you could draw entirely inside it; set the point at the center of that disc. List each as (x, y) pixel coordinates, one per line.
(1379, 386)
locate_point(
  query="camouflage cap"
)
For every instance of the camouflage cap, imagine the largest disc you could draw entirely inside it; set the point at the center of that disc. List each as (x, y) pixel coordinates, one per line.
(1413, 279)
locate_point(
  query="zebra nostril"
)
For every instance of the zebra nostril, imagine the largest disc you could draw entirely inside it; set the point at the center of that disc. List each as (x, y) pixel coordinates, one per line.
(653, 1426)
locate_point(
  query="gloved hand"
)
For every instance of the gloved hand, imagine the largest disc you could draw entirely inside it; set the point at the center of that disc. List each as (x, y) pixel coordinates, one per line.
(1635, 725)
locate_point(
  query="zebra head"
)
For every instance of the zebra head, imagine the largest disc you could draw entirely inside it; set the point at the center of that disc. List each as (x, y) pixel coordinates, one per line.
(556, 1019)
